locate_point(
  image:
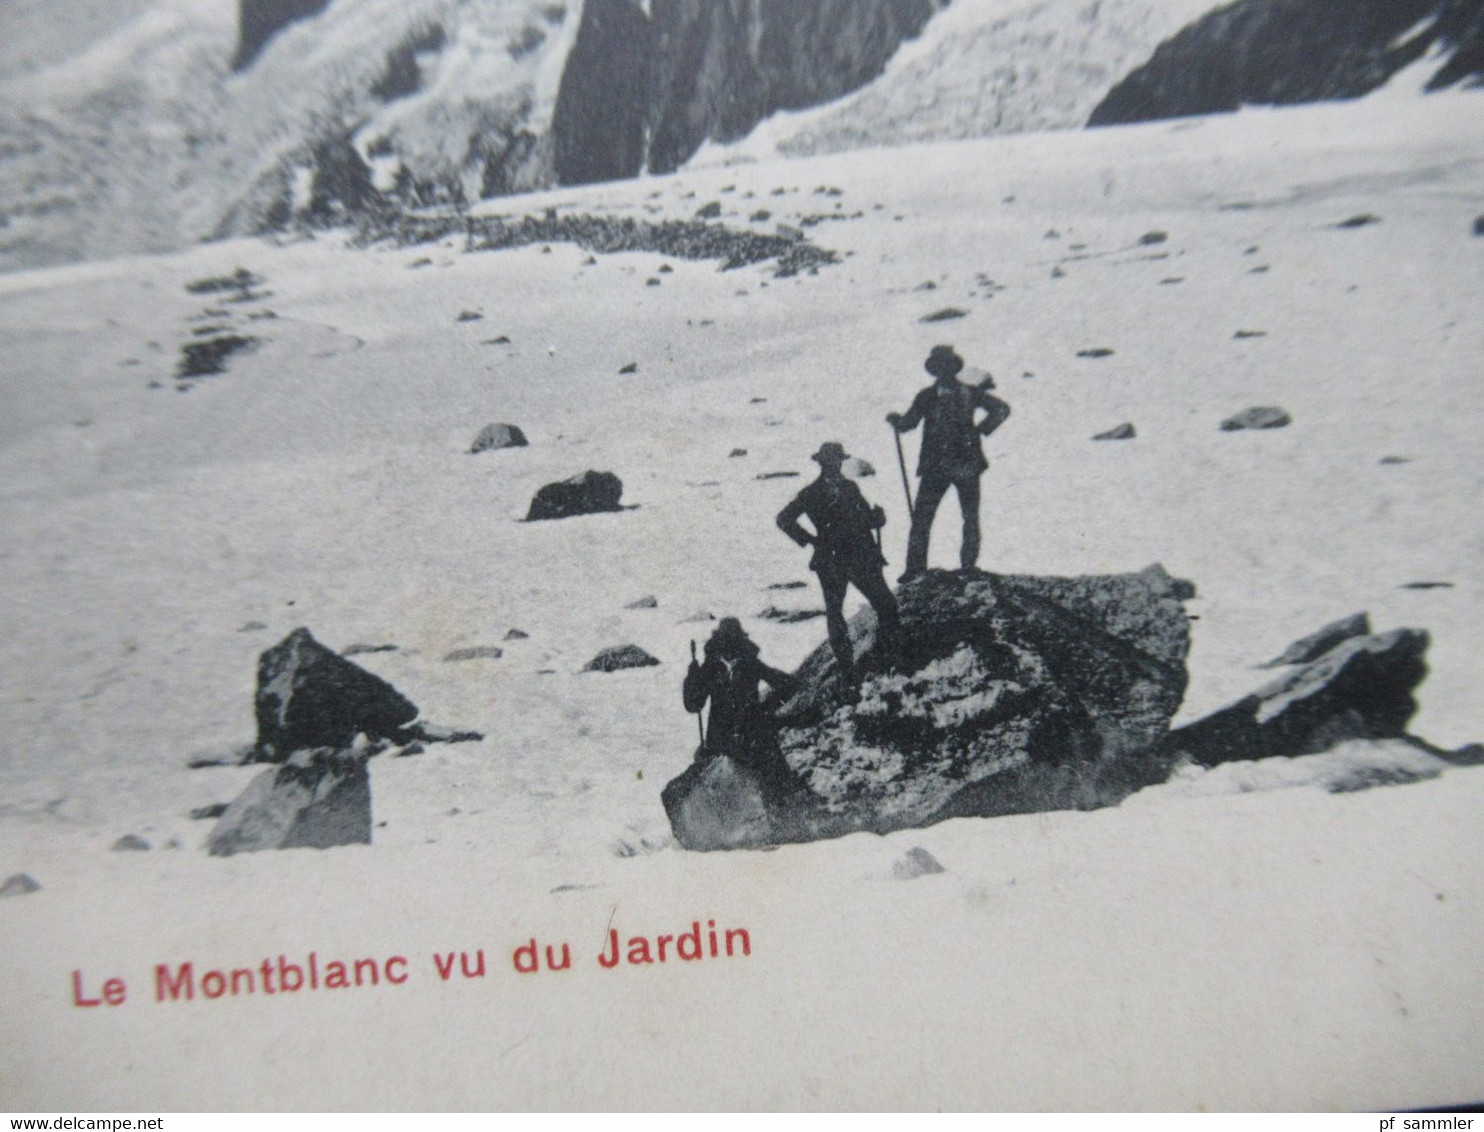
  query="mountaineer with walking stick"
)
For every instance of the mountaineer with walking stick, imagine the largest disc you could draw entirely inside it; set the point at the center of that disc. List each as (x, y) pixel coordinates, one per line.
(951, 455)
(740, 725)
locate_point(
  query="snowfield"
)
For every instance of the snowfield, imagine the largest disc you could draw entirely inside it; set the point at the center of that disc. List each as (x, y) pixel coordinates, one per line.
(1225, 945)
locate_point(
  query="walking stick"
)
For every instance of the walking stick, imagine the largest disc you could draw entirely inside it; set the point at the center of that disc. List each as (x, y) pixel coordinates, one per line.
(699, 725)
(902, 463)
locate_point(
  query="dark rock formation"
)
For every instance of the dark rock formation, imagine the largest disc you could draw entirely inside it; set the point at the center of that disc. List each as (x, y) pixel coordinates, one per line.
(643, 92)
(1014, 694)
(130, 843)
(1259, 416)
(649, 601)
(1319, 642)
(309, 696)
(208, 813)
(945, 314)
(619, 657)
(496, 436)
(1125, 431)
(517, 635)
(1278, 52)
(586, 494)
(318, 799)
(1095, 352)
(361, 648)
(260, 20)
(18, 884)
(1359, 689)
(1360, 220)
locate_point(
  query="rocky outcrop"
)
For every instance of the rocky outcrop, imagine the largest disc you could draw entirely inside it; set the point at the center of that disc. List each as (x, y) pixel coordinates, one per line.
(18, 884)
(590, 493)
(318, 799)
(646, 85)
(1276, 52)
(1012, 694)
(1361, 688)
(309, 696)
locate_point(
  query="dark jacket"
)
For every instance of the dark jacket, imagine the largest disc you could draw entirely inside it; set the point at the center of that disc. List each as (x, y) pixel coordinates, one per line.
(729, 676)
(950, 439)
(843, 524)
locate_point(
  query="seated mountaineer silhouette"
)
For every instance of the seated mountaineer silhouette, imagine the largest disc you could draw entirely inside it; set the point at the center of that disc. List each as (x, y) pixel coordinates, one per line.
(739, 727)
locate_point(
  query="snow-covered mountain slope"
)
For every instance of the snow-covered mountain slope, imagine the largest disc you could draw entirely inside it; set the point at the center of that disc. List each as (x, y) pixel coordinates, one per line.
(984, 67)
(1277, 52)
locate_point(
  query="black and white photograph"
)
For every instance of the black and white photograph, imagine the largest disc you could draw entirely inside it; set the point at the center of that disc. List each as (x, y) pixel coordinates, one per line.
(741, 554)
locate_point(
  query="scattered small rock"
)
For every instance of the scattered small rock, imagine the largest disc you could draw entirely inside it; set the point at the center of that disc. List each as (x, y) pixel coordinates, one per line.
(709, 211)
(1058, 273)
(760, 215)
(1260, 269)
(699, 616)
(1125, 431)
(788, 585)
(1479, 225)
(213, 811)
(1095, 352)
(478, 652)
(360, 649)
(1259, 416)
(1171, 280)
(1250, 334)
(944, 315)
(517, 635)
(1359, 221)
(632, 367)
(130, 843)
(789, 616)
(756, 400)
(1318, 643)
(1391, 460)
(498, 340)
(916, 862)
(776, 475)
(252, 627)
(1155, 237)
(736, 453)
(665, 269)
(586, 494)
(469, 316)
(620, 657)
(18, 884)
(651, 282)
(648, 602)
(421, 261)
(590, 261)
(1428, 586)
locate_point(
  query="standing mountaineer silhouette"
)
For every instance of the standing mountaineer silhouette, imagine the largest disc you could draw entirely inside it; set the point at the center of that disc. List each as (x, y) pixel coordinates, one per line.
(950, 455)
(845, 553)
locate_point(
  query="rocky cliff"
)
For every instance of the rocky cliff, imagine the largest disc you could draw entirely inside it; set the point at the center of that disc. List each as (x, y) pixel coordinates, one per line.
(1275, 52)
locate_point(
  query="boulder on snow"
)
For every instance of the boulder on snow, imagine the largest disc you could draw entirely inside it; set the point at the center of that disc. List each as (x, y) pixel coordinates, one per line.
(586, 494)
(1012, 695)
(318, 799)
(1125, 431)
(18, 884)
(1479, 225)
(1359, 689)
(1319, 642)
(131, 843)
(916, 862)
(309, 696)
(1259, 416)
(495, 436)
(620, 657)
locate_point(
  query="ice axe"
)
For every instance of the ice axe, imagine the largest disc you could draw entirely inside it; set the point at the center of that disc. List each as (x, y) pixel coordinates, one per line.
(700, 727)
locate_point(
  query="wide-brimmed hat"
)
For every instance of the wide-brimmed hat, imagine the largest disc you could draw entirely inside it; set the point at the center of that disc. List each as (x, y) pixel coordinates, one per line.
(830, 452)
(943, 361)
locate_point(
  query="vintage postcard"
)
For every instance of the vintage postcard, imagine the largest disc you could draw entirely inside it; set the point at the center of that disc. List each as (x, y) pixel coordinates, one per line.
(708, 554)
